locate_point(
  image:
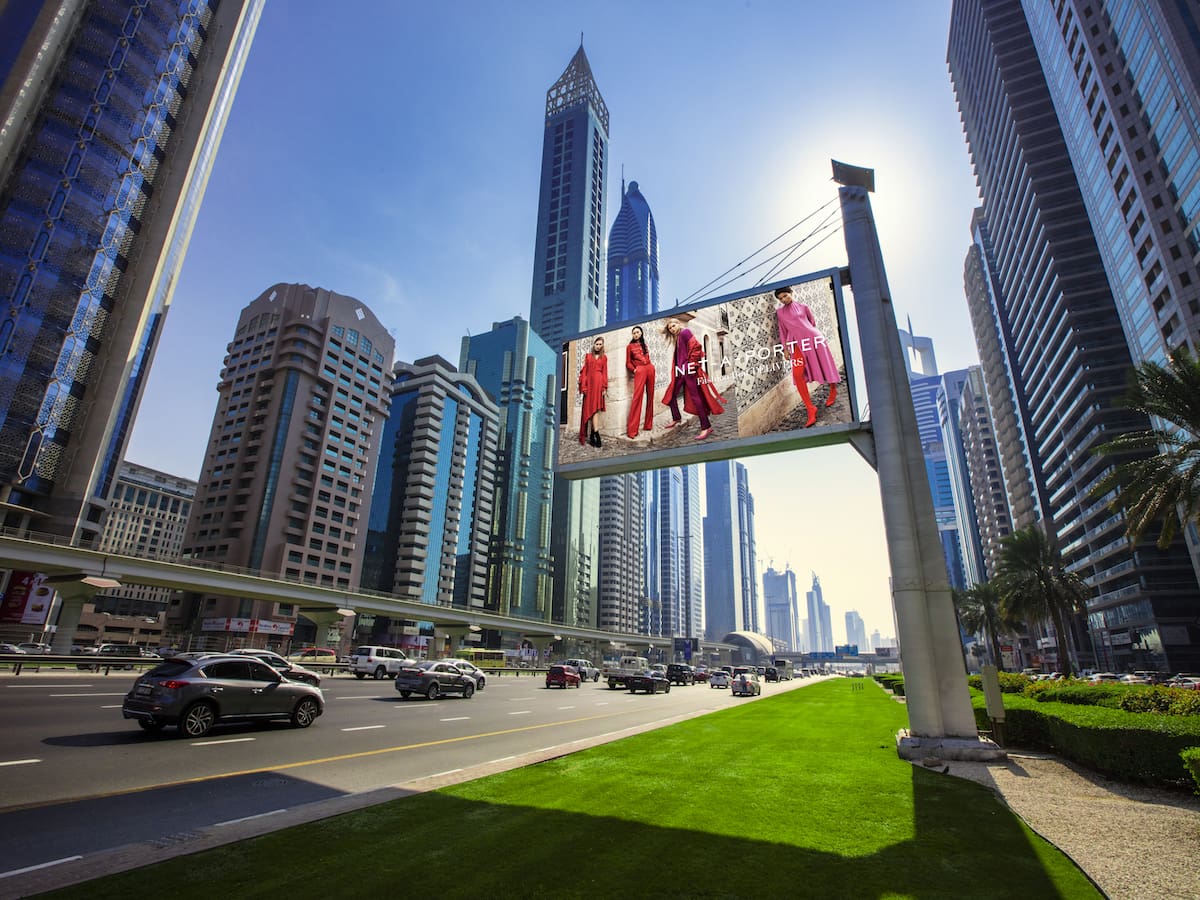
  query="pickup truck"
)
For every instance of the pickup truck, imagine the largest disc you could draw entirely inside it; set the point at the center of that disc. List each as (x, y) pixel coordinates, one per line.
(587, 672)
(617, 673)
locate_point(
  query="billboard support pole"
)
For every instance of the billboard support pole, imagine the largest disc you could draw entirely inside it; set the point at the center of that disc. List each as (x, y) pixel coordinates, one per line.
(941, 720)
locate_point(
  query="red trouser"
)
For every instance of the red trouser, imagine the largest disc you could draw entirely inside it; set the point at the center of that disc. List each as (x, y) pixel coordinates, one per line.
(643, 394)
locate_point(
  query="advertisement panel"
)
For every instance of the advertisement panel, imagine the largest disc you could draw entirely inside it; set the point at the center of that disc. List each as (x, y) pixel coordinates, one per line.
(756, 372)
(27, 600)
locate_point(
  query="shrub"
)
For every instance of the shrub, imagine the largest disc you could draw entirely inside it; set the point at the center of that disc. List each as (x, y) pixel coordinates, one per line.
(1081, 693)
(1138, 747)
(1166, 700)
(1010, 682)
(1191, 761)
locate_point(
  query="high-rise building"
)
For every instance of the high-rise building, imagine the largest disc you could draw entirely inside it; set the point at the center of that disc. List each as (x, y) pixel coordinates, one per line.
(956, 519)
(632, 292)
(1081, 119)
(147, 517)
(989, 505)
(820, 631)
(856, 631)
(291, 457)
(518, 368)
(568, 298)
(731, 599)
(112, 114)
(431, 510)
(676, 595)
(782, 609)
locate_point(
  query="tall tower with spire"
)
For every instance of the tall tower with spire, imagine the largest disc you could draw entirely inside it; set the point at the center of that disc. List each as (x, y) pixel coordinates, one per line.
(568, 297)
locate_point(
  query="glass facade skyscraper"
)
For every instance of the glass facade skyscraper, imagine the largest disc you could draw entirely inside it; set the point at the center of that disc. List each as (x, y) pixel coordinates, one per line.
(1082, 124)
(731, 597)
(633, 280)
(112, 116)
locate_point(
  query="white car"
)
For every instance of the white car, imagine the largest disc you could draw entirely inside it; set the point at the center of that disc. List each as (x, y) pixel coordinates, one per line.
(378, 662)
(747, 684)
(471, 669)
(718, 679)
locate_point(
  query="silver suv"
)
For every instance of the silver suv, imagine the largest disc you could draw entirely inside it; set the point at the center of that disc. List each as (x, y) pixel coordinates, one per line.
(378, 662)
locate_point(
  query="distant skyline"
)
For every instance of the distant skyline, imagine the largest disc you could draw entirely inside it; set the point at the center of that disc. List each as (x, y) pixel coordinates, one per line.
(391, 153)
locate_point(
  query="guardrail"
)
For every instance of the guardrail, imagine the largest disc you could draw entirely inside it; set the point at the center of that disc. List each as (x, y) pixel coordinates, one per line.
(93, 663)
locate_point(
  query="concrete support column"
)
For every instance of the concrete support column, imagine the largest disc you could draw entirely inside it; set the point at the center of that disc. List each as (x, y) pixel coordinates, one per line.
(935, 682)
(71, 598)
(453, 634)
(540, 643)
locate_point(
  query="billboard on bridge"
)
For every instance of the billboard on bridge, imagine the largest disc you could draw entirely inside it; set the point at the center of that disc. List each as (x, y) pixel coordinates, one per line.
(755, 372)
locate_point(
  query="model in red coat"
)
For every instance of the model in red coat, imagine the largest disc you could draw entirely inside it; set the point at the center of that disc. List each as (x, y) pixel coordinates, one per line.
(637, 361)
(593, 386)
(689, 376)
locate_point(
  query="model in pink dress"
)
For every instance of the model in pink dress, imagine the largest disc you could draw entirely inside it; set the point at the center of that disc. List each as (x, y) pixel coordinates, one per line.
(803, 341)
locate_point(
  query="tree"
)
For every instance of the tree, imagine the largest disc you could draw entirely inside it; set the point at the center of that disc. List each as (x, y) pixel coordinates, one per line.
(1162, 480)
(1035, 586)
(980, 612)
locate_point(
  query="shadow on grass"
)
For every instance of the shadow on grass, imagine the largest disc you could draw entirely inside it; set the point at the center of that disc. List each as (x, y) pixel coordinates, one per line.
(797, 795)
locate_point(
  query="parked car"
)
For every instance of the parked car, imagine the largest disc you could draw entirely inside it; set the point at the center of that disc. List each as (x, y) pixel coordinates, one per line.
(285, 667)
(471, 669)
(1098, 677)
(11, 648)
(33, 647)
(378, 662)
(718, 679)
(681, 673)
(649, 680)
(1188, 681)
(1134, 678)
(562, 676)
(195, 693)
(115, 656)
(746, 684)
(314, 656)
(432, 678)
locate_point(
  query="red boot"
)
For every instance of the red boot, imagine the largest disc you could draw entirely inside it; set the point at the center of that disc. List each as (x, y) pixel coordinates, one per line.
(800, 380)
(832, 395)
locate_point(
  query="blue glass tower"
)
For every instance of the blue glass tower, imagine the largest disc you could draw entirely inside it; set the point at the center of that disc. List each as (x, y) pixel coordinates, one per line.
(632, 260)
(731, 600)
(517, 368)
(113, 113)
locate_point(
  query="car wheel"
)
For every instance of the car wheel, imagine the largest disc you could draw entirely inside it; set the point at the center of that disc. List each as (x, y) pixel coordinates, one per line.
(596, 677)
(379, 673)
(198, 719)
(431, 692)
(150, 725)
(360, 675)
(468, 690)
(667, 689)
(404, 695)
(305, 713)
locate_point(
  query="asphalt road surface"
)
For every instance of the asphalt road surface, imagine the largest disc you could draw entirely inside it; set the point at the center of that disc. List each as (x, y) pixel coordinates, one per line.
(77, 781)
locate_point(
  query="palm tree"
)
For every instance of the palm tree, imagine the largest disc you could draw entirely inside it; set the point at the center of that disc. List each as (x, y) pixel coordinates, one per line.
(1035, 586)
(1163, 482)
(979, 611)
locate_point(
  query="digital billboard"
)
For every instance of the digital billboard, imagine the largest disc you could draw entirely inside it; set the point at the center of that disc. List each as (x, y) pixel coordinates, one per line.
(756, 372)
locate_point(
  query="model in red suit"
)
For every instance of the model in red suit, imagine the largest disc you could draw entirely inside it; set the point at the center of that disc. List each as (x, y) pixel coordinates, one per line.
(637, 361)
(593, 386)
(689, 376)
(812, 360)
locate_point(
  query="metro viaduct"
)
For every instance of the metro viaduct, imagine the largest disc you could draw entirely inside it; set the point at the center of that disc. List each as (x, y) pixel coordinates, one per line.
(77, 573)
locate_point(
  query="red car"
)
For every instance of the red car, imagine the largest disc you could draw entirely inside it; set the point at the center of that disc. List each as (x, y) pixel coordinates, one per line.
(562, 676)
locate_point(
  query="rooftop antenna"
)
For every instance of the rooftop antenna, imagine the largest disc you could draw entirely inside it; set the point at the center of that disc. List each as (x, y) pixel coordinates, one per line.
(622, 179)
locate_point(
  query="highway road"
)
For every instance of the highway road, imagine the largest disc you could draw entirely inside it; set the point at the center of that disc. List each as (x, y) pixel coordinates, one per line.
(78, 781)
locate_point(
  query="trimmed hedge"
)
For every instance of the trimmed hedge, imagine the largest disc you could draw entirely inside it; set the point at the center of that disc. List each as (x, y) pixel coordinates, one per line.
(1191, 761)
(1131, 746)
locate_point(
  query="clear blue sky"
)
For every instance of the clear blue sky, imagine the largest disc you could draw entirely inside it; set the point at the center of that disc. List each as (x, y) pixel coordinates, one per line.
(390, 151)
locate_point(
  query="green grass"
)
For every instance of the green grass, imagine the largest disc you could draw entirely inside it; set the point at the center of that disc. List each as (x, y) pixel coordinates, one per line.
(798, 795)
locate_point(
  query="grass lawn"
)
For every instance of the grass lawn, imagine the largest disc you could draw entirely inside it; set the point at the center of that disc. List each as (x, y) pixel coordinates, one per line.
(796, 795)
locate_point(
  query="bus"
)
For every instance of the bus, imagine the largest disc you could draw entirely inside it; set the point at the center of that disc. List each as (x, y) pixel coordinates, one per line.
(786, 669)
(484, 659)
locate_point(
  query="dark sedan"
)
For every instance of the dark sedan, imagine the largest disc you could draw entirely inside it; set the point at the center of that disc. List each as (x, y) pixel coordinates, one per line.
(649, 680)
(196, 693)
(432, 678)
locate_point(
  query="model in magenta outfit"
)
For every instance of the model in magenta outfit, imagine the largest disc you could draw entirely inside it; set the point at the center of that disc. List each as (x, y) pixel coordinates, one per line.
(811, 357)
(700, 398)
(637, 361)
(593, 385)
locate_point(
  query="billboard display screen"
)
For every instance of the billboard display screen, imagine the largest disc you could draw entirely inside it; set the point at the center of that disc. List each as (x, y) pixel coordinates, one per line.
(756, 372)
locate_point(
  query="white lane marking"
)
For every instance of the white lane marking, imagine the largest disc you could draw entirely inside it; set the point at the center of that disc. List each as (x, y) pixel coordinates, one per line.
(364, 727)
(273, 812)
(224, 741)
(517, 699)
(113, 706)
(544, 749)
(447, 772)
(19, 762)
(52, 687)
(521, 712)
(566, 707)
(118, 694)
(357, 697)
(45, 865)
(602, 703)
(456, 719)
(503, 759)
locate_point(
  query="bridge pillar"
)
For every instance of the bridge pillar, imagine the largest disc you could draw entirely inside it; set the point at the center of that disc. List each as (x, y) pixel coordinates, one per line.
(452, 633)
(71, 598)
(540, 643)
(330, 622)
